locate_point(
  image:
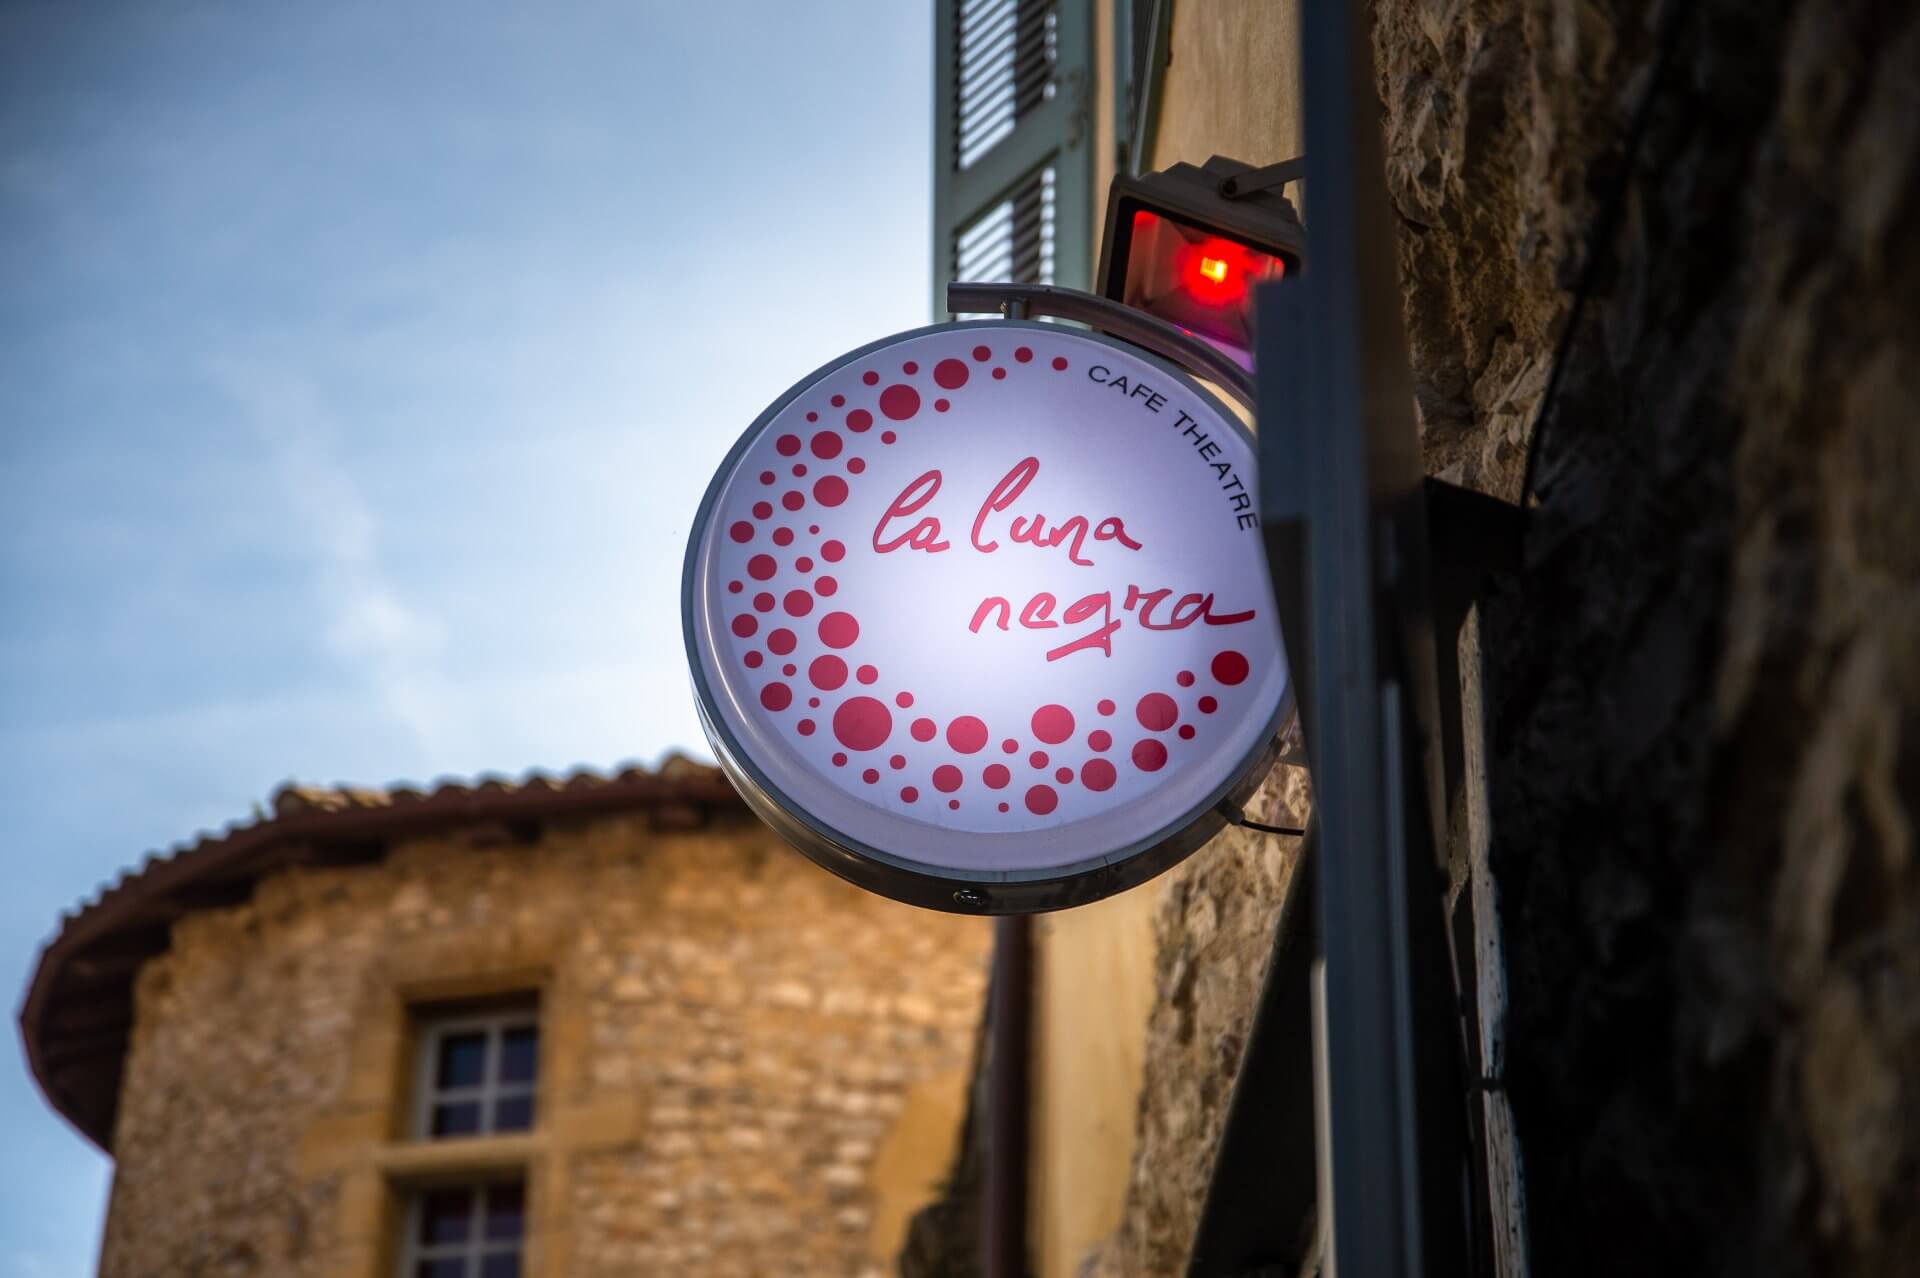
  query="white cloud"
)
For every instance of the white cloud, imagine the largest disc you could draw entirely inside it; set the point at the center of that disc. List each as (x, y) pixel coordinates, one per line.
(366, 622)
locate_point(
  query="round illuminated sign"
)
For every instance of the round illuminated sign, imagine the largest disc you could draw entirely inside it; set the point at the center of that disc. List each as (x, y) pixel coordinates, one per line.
(979, 616)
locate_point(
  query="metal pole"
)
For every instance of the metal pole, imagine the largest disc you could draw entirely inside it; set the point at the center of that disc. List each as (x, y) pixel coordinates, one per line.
(1342, 502)
(1003, 1250)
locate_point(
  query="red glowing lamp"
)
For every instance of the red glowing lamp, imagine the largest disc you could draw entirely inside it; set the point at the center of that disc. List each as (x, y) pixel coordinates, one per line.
(1189, 244)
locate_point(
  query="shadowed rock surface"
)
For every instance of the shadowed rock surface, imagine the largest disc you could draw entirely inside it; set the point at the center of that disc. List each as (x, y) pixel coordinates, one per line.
(1703, 689)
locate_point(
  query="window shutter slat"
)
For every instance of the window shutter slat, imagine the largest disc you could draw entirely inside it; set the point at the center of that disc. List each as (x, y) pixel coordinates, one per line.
(1013, 162)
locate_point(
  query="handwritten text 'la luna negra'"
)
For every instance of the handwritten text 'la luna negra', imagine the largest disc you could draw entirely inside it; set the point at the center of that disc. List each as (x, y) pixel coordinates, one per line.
(1071, 535)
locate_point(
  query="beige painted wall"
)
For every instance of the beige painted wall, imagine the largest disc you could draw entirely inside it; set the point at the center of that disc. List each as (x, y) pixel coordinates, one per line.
(1231, 88)
(1233, 85)
(1093, 989)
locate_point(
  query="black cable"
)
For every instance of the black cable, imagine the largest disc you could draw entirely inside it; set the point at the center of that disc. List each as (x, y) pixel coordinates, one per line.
(1603, 229)
(1245, 824)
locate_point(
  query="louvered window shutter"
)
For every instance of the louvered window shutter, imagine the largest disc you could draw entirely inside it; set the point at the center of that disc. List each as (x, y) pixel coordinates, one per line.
(1013, 145)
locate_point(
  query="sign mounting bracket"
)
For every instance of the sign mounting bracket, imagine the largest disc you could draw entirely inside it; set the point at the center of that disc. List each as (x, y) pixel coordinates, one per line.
(1054, 301)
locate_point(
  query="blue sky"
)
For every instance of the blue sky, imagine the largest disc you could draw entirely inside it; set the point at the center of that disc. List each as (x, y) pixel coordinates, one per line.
(361, 366)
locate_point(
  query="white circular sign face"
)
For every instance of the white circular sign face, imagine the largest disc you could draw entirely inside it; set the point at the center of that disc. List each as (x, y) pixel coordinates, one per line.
(987, 603)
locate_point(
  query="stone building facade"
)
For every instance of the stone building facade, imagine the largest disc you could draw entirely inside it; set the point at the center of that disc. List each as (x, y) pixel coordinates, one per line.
(743, 1065)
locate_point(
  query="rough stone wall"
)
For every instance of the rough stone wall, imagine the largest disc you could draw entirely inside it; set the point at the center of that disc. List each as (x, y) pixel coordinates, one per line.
(769, 1039)
(1493, 114)
(1703, 688)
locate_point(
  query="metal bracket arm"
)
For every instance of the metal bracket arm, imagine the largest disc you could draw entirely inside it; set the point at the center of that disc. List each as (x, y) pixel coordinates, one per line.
(1265, 178)
(1111, 317)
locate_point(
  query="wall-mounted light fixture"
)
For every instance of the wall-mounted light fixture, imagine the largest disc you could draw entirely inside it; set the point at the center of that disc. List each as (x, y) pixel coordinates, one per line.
(1188, 244)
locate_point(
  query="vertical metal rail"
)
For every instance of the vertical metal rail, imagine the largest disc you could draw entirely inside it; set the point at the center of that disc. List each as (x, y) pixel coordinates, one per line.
(1003, 1220)
(1341, 480)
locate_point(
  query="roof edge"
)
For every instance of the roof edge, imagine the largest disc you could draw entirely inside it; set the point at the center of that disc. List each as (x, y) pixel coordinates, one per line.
(80, 1075)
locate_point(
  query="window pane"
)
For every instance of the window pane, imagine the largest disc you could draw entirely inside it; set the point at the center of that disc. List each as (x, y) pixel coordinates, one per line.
(445, 1215)
(448, 1268)
(518, 1050)
(513, 1114)
(460, 1119)
(501, 1264)
(463, 1060)
(506, 1212)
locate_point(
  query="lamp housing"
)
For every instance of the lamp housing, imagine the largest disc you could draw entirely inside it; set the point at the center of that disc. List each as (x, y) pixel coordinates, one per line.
(1189, 243)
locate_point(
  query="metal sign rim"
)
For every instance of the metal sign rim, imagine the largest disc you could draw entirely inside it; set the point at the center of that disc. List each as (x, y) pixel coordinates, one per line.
(955, 890)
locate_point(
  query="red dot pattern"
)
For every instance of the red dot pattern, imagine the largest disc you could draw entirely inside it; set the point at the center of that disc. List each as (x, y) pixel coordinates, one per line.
(839, 630)
(967, 734)
(863, 723)
(1157, 712)
(1053, 724)
(899, 402)
(1230, 668)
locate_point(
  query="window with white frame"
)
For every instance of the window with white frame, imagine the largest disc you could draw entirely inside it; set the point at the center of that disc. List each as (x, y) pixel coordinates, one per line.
(478, 1071)
(466, 1231)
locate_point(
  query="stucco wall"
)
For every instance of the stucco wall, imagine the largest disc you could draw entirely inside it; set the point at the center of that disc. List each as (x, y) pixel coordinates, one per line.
(1232, 83)
(1142, 1001)
(747, 1066)
(1093, 989)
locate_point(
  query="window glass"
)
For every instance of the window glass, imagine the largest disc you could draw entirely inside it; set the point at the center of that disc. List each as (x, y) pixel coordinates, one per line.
(461, 1119)
(467, 1231)
(513, 1113)
(478, 1072)
(518, 1048)
(463, 1060)
(445, 1215)
(501, 1264)
(506, 1210)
